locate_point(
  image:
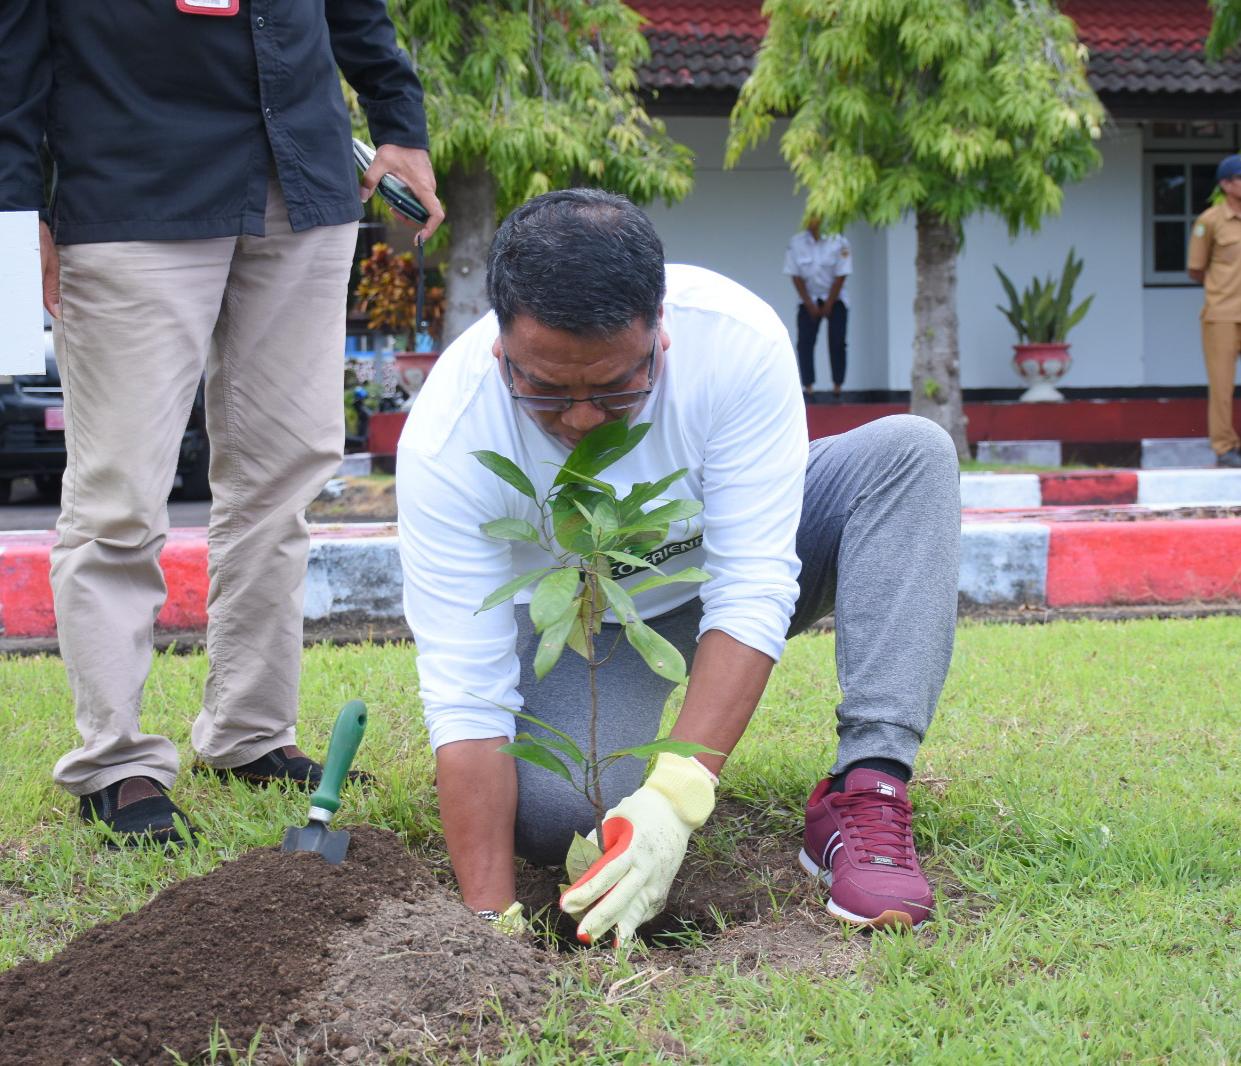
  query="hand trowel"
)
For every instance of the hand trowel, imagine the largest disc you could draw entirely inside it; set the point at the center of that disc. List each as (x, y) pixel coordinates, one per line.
(315, 834)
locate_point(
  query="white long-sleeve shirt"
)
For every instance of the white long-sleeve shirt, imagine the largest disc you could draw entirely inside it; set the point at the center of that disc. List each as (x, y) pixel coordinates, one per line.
(727, 407)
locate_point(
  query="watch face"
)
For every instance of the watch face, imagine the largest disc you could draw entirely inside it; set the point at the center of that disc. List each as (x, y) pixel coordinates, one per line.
(208, 7)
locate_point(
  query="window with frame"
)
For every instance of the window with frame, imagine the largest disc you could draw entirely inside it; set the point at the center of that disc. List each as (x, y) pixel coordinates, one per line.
(1178, 190)
(1178, 183)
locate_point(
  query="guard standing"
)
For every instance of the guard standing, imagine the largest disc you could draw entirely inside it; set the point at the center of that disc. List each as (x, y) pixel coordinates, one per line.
(818, 264)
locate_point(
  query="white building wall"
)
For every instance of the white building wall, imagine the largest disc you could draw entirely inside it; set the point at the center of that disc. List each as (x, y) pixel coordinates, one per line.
(1102, 219)
(738, 222)
(1173, 343)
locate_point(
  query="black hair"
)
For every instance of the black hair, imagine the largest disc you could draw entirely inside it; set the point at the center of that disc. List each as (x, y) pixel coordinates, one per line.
(581, 260)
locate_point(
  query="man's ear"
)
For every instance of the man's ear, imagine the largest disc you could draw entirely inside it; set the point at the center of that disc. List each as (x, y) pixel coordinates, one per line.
(497, 349)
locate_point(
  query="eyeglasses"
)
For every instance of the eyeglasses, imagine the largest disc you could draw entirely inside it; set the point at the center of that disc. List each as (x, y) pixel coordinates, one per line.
(611, 402)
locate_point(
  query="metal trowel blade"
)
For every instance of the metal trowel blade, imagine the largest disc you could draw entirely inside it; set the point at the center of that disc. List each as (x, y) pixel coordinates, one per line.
(330, 843)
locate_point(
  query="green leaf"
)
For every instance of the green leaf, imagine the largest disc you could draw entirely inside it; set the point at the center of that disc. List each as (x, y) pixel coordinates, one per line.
(525, 717)
(565, 747)
(583, 854)
(506, 469)
(656, 652)
(619, 600)
(568, 476)
(600, 448)
(645, 491)
(534, 752)
(674, 511)
(510, 529)
(604, 517)
(510, 588)
(576, 640)
(639, 539)
(690, 573)
(631, 560)
(684, 748)
(552, 642)
(553, 597)
(568, 523)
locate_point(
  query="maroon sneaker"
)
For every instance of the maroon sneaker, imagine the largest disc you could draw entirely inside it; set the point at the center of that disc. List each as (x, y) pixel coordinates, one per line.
(859, 843)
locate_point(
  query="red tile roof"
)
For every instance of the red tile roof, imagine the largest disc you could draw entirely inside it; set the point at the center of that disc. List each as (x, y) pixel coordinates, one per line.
(1136, 46)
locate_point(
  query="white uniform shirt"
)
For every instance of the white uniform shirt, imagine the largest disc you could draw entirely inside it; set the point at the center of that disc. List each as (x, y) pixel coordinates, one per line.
(819, 263)
(727, 406)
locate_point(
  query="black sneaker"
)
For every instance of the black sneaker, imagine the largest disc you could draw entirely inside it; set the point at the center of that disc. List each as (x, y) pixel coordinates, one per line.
(285, 766)
(139, 812)
(1231, 458)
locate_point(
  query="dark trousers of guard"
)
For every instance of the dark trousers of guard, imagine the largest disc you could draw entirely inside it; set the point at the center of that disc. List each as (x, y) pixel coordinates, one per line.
(808, 333)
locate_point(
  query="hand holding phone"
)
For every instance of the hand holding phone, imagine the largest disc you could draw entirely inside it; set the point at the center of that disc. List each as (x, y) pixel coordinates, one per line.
(399, 196)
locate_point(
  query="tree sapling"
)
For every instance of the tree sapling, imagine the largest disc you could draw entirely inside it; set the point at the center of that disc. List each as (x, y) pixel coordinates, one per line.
(588, 529)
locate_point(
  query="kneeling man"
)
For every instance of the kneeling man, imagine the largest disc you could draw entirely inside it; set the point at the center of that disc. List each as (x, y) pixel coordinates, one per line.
(590, 325)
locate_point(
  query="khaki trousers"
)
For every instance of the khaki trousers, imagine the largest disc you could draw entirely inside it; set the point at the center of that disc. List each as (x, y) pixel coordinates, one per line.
(141, 321)
(1221, 342)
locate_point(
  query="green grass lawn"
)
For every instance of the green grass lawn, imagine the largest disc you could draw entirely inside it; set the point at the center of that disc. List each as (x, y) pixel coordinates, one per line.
(973, 466)
(1079, 791)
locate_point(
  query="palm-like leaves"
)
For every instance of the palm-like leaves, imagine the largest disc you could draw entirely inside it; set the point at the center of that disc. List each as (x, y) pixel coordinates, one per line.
(1040, 313)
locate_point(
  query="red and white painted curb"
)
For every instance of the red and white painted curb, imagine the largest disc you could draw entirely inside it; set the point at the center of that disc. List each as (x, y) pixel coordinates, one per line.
(353, 574)
(1052, 557)
(1063, 558)
(1189, 487)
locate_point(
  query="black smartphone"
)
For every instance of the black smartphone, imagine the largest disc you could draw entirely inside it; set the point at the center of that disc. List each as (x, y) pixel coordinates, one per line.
(398, 196)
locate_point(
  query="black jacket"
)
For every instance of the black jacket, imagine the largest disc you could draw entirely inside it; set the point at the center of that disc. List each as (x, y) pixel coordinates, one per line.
(164, 125)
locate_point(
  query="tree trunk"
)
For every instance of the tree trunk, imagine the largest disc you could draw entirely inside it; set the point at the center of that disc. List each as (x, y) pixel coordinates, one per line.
(471, 198)
(935, 391)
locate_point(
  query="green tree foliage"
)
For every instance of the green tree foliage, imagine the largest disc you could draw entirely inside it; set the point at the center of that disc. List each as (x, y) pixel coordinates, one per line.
(524, 96)
(1225, 28)
(939, 108)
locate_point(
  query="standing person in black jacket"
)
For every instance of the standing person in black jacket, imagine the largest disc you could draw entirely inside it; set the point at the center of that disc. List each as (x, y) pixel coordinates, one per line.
(204, 217)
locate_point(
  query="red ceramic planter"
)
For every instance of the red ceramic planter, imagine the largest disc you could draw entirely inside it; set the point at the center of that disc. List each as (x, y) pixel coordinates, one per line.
(1040, 367)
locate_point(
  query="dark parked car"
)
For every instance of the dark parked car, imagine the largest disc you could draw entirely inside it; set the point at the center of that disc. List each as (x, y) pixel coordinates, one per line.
(32, 435)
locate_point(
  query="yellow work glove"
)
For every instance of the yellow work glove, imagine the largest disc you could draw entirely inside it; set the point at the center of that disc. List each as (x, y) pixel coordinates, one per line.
(644, 841)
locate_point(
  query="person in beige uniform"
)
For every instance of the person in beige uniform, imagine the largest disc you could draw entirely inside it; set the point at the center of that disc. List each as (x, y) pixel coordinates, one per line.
(1215, 263)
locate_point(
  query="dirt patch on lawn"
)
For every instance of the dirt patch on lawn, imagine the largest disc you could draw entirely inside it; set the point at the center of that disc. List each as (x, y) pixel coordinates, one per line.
(746, 904)
(376, 960)
(266, 938)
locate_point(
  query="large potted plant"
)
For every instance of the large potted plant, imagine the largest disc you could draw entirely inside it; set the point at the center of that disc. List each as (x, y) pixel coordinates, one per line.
(1042, 315)
(387, 293)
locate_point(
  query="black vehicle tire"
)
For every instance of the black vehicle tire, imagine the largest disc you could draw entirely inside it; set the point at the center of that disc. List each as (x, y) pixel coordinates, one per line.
(48, 487)
(6, 489)
(195, 479)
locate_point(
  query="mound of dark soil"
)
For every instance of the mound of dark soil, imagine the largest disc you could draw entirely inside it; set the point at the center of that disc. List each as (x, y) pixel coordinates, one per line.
(318, 956)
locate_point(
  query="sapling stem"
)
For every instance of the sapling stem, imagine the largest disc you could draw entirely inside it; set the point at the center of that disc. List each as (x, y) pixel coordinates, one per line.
(596, 795)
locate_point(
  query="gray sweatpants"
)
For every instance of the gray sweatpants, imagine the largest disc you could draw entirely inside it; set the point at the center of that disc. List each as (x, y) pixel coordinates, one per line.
(878, 541)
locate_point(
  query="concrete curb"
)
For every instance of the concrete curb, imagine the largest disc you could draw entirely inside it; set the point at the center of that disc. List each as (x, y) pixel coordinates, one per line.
(1100, 488)
(1057, 558)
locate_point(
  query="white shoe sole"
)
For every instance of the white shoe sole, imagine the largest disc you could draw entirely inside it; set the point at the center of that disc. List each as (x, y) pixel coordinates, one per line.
(887, 920)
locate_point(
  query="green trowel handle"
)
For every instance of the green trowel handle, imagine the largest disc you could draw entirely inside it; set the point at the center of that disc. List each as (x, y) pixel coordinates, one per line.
(346, 736)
